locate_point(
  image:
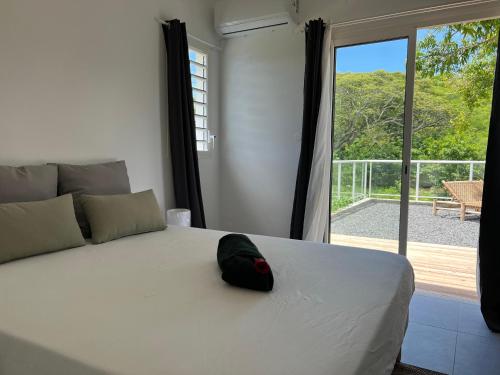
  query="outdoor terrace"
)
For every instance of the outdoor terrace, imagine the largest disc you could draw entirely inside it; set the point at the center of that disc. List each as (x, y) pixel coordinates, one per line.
(441, 248)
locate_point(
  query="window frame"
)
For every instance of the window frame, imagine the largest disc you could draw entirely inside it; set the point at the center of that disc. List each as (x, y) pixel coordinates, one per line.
(205, 92)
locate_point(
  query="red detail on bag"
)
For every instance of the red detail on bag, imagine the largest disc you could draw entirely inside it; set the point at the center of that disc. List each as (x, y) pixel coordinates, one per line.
(261, 266)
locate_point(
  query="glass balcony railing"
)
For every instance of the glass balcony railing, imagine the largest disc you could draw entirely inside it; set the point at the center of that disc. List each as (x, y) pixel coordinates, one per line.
(356, 180)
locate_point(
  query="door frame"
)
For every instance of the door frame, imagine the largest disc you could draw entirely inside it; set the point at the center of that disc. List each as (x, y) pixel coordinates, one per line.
(407, 133)
(405, 26)
(407, 139)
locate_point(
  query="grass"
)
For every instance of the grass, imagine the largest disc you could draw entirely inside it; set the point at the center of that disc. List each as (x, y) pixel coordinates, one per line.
(390, 192)
(340, 203)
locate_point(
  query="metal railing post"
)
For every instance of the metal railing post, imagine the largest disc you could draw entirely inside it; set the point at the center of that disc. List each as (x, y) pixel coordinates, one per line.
(339, 178)
(365, 179)
(353, 181)
(362, 179)
(370, 181)
(417, 182)
(471, 171)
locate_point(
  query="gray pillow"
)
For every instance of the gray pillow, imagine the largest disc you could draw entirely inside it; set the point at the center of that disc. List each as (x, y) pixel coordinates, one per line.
(115, 216)
(32, 228)
(27, 184)
(94, 179)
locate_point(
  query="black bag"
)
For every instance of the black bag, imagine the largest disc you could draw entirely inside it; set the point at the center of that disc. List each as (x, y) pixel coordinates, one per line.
(242, 264)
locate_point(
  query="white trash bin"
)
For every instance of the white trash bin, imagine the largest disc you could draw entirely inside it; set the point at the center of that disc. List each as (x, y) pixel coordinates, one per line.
(179, 216)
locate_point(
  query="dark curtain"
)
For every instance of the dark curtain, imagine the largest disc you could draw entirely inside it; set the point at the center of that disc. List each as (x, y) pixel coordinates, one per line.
(489, 243)
(181, 123)
(315, 31)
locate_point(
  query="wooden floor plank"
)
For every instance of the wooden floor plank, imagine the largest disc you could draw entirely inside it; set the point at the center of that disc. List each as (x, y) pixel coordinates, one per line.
(438, 268)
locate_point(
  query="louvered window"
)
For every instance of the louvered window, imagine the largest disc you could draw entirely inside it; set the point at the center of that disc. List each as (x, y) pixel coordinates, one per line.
(198, 63)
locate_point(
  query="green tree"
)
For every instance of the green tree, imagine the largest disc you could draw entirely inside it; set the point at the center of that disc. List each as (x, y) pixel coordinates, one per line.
(464, 50)
(369, 114)
(455, 71)
(369, 110)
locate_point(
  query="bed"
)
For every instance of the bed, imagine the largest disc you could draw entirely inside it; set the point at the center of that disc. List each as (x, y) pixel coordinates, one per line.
(155, 304)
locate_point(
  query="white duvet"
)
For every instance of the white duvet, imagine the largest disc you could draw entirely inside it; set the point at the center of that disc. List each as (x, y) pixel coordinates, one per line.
(156, 304)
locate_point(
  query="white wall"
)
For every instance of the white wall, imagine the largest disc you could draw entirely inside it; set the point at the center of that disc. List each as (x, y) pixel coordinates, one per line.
(83, 80)
(262, 91)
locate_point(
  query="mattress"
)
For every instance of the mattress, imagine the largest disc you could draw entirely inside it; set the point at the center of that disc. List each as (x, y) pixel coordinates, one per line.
(156, 304)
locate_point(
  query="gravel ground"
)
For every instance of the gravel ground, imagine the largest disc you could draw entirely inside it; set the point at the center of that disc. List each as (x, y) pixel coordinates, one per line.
(381, 220)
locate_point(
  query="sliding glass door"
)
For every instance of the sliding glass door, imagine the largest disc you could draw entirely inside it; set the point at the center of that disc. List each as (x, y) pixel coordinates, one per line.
(410, 129)
(451, 113)
(368, 139)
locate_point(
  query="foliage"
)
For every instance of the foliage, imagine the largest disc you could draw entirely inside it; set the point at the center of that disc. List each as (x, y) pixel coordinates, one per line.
(340, 203)
(466, 51)
(369, 117)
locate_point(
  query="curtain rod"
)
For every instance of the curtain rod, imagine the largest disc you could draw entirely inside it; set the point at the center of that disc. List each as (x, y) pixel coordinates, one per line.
(213, 46)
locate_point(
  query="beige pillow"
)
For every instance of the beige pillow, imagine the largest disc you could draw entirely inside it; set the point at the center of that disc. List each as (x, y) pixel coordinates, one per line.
(32, 228)
(116, 216)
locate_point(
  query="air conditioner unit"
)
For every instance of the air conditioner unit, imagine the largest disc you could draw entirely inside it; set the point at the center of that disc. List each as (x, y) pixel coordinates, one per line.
(240, 17)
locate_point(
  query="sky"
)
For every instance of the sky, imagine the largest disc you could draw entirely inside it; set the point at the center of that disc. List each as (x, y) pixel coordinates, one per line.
(389, 56)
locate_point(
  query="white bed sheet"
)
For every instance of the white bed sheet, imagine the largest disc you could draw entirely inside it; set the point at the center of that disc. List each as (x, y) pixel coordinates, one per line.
(155, 304)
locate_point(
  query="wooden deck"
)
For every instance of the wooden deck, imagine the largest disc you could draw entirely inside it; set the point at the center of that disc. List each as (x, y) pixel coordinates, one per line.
(438, 268)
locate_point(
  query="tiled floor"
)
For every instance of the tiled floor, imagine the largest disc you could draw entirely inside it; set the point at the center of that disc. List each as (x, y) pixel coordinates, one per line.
(449, 335)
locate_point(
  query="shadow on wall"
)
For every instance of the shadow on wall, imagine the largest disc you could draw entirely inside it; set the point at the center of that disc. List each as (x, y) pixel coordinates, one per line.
(20, 357)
